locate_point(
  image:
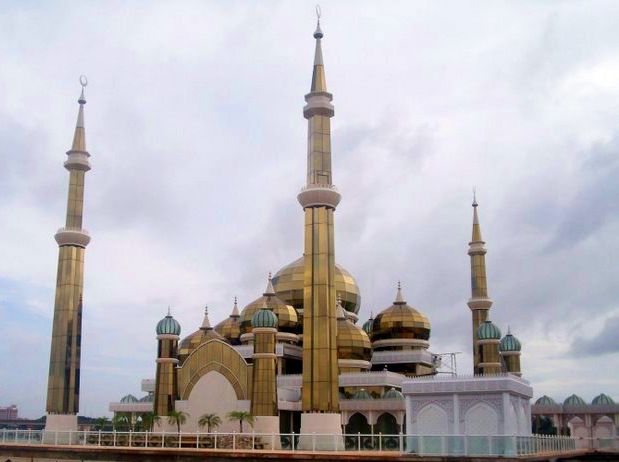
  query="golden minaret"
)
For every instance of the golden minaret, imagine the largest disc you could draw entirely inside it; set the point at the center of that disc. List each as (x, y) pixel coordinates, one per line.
(319, 199)
(479, 303)
(166, 384)
(63, 386)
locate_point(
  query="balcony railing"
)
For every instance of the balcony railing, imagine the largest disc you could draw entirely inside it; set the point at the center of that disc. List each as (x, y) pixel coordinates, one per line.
(438, 445)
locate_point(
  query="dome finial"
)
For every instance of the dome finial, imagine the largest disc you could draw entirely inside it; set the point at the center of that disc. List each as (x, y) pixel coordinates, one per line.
(399, 299)
(235, 310)
(269, 290)
(206, 323)
(318, 32)
(474, 197)
(339, 309)
(169, 314)
(83, 83)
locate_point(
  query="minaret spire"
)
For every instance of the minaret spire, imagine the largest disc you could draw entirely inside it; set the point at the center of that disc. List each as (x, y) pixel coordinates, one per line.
(319, 198)
(479, 303)
(206, 323)
(64, 367)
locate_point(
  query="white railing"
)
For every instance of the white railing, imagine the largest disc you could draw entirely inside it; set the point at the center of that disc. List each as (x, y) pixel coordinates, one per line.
(440, 445)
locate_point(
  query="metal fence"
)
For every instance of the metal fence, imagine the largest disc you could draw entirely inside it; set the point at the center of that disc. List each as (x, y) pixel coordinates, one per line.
(448, 445)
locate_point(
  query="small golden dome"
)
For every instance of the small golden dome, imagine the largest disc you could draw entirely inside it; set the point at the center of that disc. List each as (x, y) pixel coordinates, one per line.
(286, 314)
(197, 338)
(288, 283)
(230, 328)
(352, 341)
(400, 321)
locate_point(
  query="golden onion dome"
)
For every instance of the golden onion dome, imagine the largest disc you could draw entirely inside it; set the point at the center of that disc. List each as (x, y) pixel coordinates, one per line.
(288, 283)
(230, 328)
(352, 341)
(197, 338)
(288, 320)
(400, 321)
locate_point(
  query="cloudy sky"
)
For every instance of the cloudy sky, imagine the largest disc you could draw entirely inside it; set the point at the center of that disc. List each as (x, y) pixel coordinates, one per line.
(197, 139)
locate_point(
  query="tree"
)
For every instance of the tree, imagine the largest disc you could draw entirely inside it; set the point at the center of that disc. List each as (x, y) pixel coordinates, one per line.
(101, 422)
(209, 421)
(241, 416)
(177, 417)
(149, 419)
(119, 421)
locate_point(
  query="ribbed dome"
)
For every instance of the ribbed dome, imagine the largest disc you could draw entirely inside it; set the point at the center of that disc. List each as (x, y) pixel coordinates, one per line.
(352, 341)
(367, 325)
(574, 400)
(488, 331)
(546, 401)
(400, 321)
(393, 394)
(288, 283)
(602, 399)
(288, 320)
(230, 328)
(129, 399)
(148, 398)
(509, 343)
(197, 338)
(168, 326)
(362, 394)
(264, 318)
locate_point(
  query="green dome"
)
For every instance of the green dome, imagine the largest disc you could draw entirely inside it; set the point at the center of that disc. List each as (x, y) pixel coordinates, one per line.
(574, 400)
(148, 398)
(362, 394)
(602, 399)
(168, 326)
(488, 331)
(510, 343)
(264, 318)
(367, 325)
(129, 399)
(393, 394)
(546, 401)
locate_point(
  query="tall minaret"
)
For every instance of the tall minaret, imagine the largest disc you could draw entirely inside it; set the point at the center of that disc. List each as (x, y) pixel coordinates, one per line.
(479, 303)
(320, 395)
(63, 386)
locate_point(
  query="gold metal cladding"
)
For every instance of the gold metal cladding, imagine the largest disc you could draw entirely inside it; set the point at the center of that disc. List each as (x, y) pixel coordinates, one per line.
(230, 329)
(353, 342)
(289, 281)
(194, 340)
(288, 320)
(400, 321)
(217, 356)
(264, 380)
(166, 384)
(320, 369)
(63, 386)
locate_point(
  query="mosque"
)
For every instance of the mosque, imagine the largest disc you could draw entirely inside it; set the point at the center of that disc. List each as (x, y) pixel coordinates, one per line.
(298, 358)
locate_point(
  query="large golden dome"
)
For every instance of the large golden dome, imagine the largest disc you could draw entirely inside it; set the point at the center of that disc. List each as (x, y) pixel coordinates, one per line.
(286, 314)
(400, 321)
(230, 328)
(197, 338)
(288, 284)
(352, 341)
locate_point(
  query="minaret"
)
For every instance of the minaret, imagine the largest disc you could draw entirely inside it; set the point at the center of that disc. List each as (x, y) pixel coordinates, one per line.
(264, 378)
(166, 380)
(63, 386)
(479, 303)
(319, 198)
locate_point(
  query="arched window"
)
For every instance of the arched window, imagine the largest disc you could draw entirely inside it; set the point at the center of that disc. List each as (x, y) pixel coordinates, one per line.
(358, 424)
(387, 425)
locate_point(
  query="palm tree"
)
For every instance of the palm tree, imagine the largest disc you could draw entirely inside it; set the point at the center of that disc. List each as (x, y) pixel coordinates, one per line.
(149, 419)
(177, 417)
(119, 421)
(241, 416)
(101, 422)
(209, 421)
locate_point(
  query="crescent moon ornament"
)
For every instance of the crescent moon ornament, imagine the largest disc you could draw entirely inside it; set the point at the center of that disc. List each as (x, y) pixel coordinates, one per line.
(318, 12)
(83, 80)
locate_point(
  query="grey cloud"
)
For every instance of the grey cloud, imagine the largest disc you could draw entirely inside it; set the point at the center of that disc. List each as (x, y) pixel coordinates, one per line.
(605, 342)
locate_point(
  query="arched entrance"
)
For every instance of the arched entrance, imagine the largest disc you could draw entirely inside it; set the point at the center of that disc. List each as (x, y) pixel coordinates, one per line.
(358, 424)
(387, 425)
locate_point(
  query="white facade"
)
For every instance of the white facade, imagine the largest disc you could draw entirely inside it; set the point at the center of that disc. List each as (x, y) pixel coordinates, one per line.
(493, 405)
